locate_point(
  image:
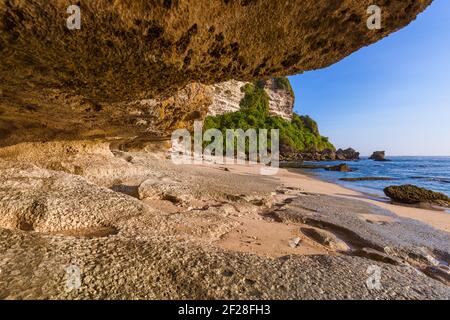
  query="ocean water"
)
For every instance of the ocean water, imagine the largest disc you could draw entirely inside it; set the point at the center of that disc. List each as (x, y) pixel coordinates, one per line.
(428, 172)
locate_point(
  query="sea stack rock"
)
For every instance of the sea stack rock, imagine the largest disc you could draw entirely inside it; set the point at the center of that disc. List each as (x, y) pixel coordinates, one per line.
(378, 156)
(347, 154)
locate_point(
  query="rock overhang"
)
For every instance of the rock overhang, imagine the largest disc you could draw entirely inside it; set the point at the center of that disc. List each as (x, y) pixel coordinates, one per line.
(131, 50)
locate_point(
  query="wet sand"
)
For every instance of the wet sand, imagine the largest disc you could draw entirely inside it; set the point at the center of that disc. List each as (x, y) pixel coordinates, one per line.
(437, 219)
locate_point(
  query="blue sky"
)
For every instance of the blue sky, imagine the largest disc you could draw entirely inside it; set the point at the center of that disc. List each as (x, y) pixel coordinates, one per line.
(393, 95)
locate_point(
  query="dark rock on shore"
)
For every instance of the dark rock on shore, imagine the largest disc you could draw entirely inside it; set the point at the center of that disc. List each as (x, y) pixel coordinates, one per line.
(288, 153)
(325, 155)
(378, 156)
(411, 194)
(347, 154)
(340, 168)
(328, 155)
(367, 179)
(300, 165)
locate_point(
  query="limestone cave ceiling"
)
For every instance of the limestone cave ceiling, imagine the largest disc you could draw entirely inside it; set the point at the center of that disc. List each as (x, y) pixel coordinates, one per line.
(56, 82)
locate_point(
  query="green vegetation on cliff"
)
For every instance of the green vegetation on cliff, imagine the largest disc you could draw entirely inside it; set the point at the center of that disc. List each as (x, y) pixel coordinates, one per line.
(285, 84)
(282, 83)
(301, 134)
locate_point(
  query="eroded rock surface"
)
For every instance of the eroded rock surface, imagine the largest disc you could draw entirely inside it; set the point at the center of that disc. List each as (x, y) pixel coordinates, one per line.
(156, 248)
(35, 199)
(53, 114)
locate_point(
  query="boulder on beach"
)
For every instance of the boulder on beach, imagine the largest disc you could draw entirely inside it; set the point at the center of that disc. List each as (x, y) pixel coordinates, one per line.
(378, 156)
(340, 168)
(411, 194)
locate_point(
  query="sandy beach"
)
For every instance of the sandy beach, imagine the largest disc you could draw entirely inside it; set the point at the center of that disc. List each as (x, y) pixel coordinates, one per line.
(269, 238)
(227, 231)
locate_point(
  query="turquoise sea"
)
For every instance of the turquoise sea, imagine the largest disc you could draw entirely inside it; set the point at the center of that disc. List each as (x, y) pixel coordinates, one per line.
(428, 172)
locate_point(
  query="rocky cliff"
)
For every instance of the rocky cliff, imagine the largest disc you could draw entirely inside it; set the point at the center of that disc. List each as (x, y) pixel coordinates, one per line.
(228, 95)
(281, 97)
